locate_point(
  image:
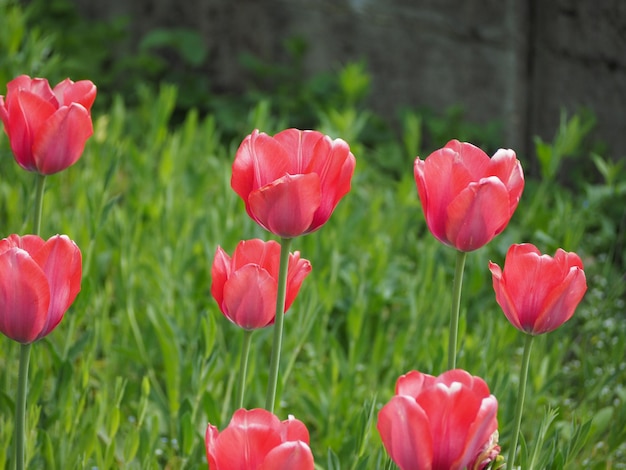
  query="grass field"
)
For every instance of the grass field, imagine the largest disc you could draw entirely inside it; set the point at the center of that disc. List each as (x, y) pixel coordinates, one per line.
(144, 359)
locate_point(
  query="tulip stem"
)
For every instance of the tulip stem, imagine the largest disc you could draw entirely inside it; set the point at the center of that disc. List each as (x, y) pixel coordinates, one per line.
(521, 394)
(41, 183)
(456, 307)
(20, 406)
(285, 243)
(243, 366)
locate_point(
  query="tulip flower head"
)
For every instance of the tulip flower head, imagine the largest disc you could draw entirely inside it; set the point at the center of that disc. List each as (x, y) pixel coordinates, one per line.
(292, 182)
(467, 197)
(538, 293)
(47, 128)
(440, 423)
(245, 286)
(39, 280)
(258, 440)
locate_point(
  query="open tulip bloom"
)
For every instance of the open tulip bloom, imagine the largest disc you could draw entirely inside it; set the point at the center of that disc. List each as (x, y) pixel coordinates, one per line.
(440, 423)
(467, 197)
(258, 440)
(39, 280)
(47, 128)
(292, 182)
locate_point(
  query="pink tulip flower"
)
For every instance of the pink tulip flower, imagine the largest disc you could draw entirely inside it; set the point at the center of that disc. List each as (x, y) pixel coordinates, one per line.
(467, 197)
(292, 182)
(440, 423)
(258, 440)
(245, 286)
(538, 293)
(39, 280)
(47, 128)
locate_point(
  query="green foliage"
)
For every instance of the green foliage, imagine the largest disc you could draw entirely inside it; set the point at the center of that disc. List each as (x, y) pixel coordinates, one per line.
(143, 359)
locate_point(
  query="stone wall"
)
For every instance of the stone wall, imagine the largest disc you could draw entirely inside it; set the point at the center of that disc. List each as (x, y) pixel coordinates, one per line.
(516, 61)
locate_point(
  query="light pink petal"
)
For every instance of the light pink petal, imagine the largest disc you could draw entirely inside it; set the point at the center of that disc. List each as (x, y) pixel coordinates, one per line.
(24, 296)
(298, 269)
(27, 114)
(244, 448)
(475, 162)
(82, 92)
(61, 261)
(61, 140)
(412, 383)
(250, 297)
(480, 432)
(506, 166)
(286, 206)
(36, 86)
(451, 410)
(289, 456)
(264, 253)
(260, 160)
(300, 146)
(220, 272)
(404, 429)
(294, 430)
(560, 305)
(477, 214)
(210, 443)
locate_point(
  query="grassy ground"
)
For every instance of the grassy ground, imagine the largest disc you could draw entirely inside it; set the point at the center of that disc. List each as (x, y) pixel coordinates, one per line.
(144, 359)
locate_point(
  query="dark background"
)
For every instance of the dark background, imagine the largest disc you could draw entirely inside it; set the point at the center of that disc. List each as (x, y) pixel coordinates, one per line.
(518, 62)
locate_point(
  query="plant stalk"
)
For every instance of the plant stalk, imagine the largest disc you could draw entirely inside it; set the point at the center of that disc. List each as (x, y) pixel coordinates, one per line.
(521, 394)
(285, 243)
(461, 256)
(243, 366)
(20, 406)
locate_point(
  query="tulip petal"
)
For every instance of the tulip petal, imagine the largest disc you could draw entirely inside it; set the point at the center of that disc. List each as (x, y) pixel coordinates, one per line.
(405, 432)
(210, 443)
(479, 432)
(220, 272)
(294, 430)
(82, 92)
(298, 269)
(27, 114)
(24, 296)
(260, 160)
(507, 168)
(249, 437)
(412, 383)
(61, 261)
(256, 251)
(286, 206)
(561, 303)
(300, 146)
(62, 138)
(250, 297)
(289, 456)
(477, 214)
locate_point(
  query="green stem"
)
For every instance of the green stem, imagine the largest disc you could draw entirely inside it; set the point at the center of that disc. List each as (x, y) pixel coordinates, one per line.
(20, 406)
(520, 399)
(285, 243)
(41, 183)
(243, 366)
(456, 308)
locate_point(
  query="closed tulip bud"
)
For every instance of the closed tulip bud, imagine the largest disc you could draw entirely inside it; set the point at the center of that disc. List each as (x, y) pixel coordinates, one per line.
(47, 128)
(39, 280)
(538, 293)
(245, 286)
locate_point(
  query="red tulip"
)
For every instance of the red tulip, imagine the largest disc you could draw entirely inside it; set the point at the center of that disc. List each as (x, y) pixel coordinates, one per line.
(257, 439)
(245, 286)
(47, 128)
(440, 423)
(39, 280)
(292, 182)
(467, 197)
(538, 293)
